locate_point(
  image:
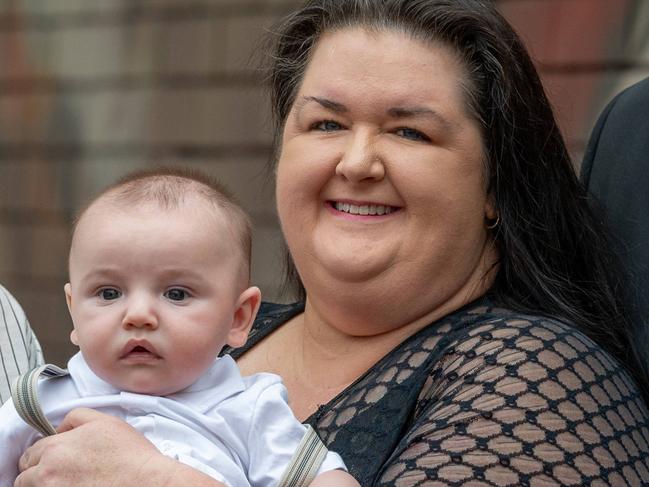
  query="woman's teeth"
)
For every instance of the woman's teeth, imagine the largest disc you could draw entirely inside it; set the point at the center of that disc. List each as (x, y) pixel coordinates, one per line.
(363, 209)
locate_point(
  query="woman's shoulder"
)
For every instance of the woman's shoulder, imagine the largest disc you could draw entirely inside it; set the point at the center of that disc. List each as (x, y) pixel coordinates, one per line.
(276, 311)
(511, 359)
(518, 396)
(510, 328)
(502, 342)
(269, 318)
(273, 315)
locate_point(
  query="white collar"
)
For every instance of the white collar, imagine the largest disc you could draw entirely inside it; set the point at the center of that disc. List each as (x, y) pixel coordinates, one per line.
(221, 380)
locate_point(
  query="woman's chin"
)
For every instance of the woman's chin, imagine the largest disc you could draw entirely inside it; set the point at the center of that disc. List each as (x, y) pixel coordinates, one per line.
(347, 267)
(354, 256)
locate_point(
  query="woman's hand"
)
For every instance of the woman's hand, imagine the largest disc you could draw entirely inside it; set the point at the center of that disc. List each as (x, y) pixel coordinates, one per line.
(94, 449)
(334, 478)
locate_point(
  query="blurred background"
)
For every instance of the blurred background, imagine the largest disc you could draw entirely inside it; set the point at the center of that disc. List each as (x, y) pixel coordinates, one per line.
(91, 89)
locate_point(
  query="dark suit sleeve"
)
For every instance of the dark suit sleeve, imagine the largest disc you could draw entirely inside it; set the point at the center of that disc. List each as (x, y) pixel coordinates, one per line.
(593, 143)
(616, 172)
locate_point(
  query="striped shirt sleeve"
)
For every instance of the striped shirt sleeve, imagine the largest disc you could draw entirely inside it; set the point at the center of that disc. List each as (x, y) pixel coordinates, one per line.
(19, 347)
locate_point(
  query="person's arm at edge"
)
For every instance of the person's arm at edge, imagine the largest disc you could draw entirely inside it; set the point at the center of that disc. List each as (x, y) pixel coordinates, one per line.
(94, 449)
(18, 344)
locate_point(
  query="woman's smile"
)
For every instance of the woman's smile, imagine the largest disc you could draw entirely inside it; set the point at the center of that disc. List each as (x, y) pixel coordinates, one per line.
(364, 211)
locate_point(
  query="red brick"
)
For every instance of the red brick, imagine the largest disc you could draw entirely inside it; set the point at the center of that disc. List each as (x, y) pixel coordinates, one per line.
(570, 31)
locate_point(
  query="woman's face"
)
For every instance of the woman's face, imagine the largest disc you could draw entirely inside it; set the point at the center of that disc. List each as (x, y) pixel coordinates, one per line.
(380, 179)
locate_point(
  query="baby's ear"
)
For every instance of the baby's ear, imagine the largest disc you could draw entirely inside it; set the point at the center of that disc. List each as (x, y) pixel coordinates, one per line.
(244, 316)
(73, 337)
(68, 299)
(68, 295)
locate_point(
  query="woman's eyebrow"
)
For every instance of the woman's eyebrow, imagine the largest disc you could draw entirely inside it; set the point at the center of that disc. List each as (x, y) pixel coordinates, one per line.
(334, 106)
(394, 112)
(417, 112)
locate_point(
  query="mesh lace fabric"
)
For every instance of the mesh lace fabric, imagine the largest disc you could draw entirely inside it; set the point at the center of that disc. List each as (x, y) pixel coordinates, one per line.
(487, 396)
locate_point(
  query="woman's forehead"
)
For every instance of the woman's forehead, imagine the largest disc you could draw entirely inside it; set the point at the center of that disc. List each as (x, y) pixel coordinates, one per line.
(368, 39)
(350, 65)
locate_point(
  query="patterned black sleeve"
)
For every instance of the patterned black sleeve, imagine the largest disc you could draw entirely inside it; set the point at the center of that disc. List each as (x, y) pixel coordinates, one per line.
(524, 401)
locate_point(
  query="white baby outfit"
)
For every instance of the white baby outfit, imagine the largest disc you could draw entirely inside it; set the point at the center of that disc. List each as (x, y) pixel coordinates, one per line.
(239, 430)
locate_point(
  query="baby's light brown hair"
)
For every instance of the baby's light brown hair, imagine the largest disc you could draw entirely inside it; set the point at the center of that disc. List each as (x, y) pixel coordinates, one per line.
(168, 187)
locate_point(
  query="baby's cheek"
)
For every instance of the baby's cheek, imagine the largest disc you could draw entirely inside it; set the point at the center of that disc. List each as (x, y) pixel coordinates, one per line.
(192, 361)
(104, 366)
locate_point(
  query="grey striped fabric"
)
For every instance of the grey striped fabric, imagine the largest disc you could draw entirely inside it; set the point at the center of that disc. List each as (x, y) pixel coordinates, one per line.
(19, 348)
(24, 392)
(306, 461)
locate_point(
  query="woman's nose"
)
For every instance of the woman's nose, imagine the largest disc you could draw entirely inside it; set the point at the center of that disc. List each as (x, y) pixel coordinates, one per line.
(140, 313)
(360, 161)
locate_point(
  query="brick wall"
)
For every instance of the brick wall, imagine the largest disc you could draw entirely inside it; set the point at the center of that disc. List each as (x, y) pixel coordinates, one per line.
(91, 89)
(586, 52)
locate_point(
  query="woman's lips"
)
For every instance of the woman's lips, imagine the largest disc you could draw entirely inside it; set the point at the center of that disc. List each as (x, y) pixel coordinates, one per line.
(362, 209)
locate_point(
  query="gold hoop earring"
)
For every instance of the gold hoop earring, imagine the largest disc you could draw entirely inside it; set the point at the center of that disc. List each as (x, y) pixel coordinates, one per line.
(494, 224)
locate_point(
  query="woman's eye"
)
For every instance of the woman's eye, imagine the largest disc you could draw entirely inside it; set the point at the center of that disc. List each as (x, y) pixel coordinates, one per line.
(176, 294)
(327, 126)
(412, 134)
(108, 294)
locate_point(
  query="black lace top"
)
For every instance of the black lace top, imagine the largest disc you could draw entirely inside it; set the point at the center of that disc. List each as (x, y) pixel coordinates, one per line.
(490, 396)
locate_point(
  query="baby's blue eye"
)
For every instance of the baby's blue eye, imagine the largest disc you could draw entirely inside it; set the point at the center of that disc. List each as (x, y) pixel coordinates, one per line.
(176, 294)
(108, 294)
(412, 134)
(327, 126)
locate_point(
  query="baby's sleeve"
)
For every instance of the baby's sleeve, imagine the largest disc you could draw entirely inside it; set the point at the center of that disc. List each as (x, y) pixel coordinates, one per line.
(15, 437)
(274, 436)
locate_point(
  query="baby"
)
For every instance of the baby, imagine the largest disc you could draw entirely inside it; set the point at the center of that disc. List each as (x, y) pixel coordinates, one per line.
(159, 271)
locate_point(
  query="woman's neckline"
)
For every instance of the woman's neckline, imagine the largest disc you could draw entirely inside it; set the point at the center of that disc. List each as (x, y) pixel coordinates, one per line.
(278, 315)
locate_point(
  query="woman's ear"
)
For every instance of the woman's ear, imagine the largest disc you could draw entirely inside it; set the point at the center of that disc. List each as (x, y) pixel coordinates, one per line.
(490, 211)
(244, 316)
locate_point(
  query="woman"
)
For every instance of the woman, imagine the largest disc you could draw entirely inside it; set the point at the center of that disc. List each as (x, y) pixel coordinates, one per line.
(454, 276)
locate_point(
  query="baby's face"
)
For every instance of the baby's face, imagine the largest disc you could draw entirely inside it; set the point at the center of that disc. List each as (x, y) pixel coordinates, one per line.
(153, 293)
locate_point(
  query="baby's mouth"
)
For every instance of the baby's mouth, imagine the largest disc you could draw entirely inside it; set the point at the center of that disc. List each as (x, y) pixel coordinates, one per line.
(139, 349)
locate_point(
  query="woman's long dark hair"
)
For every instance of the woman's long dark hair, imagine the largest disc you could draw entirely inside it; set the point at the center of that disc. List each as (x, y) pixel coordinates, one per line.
(555, 256)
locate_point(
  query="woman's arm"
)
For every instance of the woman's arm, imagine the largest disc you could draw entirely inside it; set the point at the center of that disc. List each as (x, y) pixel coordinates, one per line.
(94, 449)
(524, 401)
